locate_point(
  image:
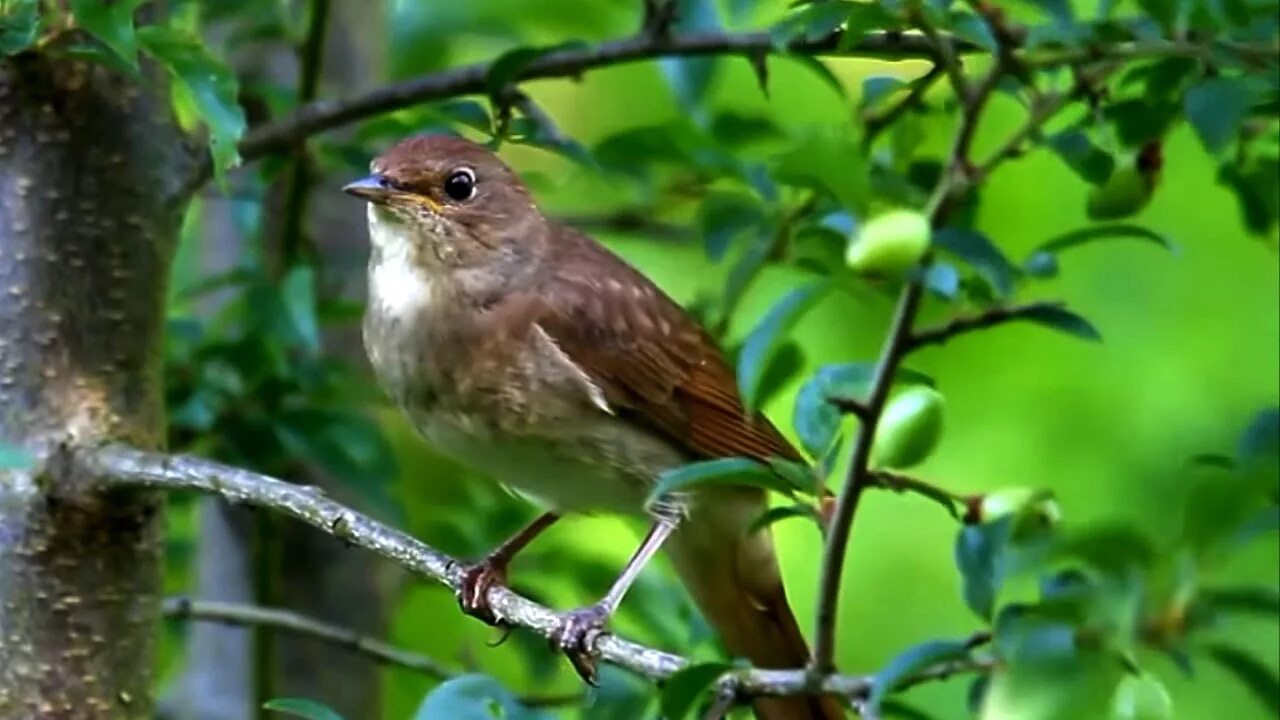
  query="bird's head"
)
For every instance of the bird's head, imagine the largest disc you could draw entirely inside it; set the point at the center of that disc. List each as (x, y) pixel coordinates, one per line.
(450, 197)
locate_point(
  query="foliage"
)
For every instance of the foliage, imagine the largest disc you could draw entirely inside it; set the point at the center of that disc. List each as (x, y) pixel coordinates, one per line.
(1068, 618)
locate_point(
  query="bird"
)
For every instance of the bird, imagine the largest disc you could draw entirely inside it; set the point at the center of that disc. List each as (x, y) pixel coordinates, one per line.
(529, 351)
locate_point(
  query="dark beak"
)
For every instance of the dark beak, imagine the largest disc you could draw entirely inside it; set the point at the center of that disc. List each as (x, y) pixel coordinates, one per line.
(374, 188)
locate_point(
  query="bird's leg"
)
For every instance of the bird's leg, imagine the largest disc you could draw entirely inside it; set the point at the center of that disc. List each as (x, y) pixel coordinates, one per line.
(473, 591)
(576, 636)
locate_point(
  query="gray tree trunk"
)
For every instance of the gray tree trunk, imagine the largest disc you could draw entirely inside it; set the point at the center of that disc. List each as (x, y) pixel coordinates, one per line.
(90, 163)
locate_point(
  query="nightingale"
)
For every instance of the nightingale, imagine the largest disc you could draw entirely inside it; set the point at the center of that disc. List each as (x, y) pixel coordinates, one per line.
(529, 351)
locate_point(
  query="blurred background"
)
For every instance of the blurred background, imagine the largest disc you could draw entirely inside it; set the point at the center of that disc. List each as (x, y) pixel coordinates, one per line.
(1190, 355)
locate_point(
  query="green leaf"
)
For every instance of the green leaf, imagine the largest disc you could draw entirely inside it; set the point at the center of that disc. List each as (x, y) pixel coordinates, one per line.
(1059, 318)
(943, 280)
(19, 26)
(782, 512)
(721, 471)
(112, 23)
(1256, 185)
(509, 66)
(810, 22)
(897, 709)
(1261, 680)
(1113, 549)
(466, 112)
(13, 457)
(723, 217)
(690, 78)
(1217, 108)
(758, 348)
(1090, 162)
(980, 557)
(683, 689)
(908, 663)
(1043, 263)
(1262, 437)
(299, 707)
(830, 162)
(1139, 121)
(980, 253)
(1263, 602)
(299, 295)
(211, 85)
(819, 68)
(474, 697)
(816, 420)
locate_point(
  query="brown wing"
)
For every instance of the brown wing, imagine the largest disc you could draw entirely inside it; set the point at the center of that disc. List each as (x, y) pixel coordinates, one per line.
(654, 362)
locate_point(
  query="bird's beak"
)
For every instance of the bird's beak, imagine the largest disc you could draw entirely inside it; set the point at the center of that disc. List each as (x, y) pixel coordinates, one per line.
(374, 188)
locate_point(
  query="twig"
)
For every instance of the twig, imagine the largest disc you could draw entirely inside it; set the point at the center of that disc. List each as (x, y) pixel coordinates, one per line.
(850, 406)
(981, 321)
(252, 616)
(877, 122)
(898, 482)
(118, 466)
(310, 59)
(954, 179)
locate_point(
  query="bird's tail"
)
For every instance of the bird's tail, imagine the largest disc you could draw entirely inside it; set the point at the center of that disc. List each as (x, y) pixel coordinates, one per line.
(735, 580)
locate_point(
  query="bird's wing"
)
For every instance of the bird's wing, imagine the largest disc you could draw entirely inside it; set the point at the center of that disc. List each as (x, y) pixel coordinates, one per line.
(653, 362)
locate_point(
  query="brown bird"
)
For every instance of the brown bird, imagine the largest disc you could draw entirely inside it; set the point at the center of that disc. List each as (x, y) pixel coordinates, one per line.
(528, 350)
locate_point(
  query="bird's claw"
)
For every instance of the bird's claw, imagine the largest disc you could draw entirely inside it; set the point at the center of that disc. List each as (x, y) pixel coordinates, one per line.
(473, 591)
(576, 637)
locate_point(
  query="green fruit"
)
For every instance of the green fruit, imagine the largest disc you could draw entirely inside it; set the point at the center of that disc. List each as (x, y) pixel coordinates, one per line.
(1126, 192)
(1141, 697)
(909, 428)
(889, 244)
(1021, 501)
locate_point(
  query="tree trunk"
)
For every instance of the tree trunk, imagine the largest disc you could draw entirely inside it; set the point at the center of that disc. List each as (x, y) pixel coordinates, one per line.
(90, 164)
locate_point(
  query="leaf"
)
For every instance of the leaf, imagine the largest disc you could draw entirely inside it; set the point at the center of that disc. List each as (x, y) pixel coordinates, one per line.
(682, 690)
(1043, 263)
(829, 162)
(721, 471)
(508, 67)
(786, 363)
(474, 697)
(724, 216)
(943, 280)
(299, 295)
(819, 68)
(1256, 185)
(908, 663)
(1059, 318)
(1262, 437)
(111, 21)
(1139, 121)
(816, 420)
(1247, 600)
(13, 457)
(209, 82)
(1091, 163)
(758, 348)
(877, 87)
(1216, 108)
(690, 78)
(1112, 549)
(980, 558)
(782, 512)
(1255, 674)
(19, 26)
(299, 707)
(466, 112)
(810, 22)
(897, 709)
(979, 252)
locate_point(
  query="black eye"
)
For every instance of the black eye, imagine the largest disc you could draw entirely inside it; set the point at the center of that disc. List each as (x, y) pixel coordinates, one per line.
(461, 184)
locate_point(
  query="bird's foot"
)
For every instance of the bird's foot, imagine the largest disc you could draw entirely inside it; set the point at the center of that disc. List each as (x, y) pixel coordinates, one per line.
(473, 592)
(576, 637)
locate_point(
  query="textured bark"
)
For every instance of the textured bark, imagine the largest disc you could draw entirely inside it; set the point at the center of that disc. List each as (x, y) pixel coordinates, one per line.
(87, 160)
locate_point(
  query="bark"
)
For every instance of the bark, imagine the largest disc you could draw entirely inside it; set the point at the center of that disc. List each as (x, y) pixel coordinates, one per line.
(90, 163)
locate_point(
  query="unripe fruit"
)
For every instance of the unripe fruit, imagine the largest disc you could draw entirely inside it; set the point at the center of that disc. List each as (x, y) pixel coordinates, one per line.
(1126, 192)
(909, 428)
(889, 244)
(1141, 697)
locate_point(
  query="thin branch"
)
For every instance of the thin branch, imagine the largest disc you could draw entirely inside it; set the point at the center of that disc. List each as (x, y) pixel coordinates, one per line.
(876, 123)
(981, 321)
(116, 466)
(310, 58)
(954, 179)
(470, 79)
(850, 406)
(253, 616)
(897, 482)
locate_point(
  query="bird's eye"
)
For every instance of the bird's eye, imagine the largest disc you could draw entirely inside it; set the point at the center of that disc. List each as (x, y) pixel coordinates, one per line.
(461, 184)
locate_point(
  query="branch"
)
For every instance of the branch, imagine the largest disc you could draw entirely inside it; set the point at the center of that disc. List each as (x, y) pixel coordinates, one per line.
(116, 466)
(181, 608)
(470, 79)
(876, 123)
(981, 321)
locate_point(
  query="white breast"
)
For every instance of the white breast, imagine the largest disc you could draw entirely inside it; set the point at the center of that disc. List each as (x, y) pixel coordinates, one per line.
(397, 284)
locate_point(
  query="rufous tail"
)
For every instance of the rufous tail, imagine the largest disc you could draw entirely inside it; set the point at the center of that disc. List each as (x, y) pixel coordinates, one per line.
(735, 580)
